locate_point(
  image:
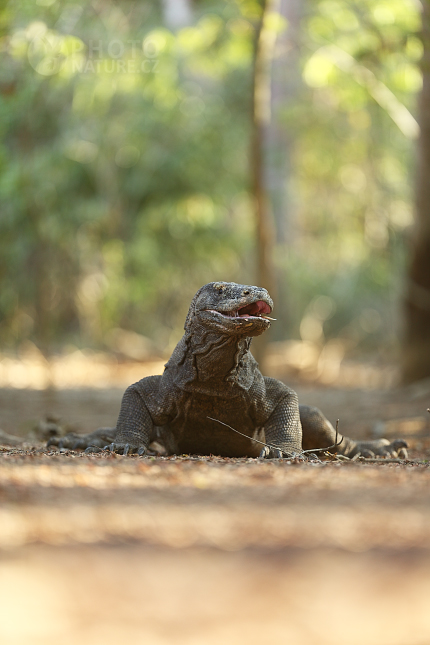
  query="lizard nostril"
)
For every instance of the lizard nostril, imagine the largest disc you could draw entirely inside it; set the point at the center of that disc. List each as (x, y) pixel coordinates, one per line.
(246, 293)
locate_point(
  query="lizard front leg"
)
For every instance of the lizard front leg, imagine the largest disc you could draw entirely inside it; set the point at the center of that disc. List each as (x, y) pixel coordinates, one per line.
(135, 425)
(283, 429)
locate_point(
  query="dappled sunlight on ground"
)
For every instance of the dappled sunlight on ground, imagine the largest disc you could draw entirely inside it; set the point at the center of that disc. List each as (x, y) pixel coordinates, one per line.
(232, 504)
(327, 364)
(77, 369)
(303, 360)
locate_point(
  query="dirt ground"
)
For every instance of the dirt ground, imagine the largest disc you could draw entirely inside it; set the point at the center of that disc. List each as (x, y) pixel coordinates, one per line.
(98, 549)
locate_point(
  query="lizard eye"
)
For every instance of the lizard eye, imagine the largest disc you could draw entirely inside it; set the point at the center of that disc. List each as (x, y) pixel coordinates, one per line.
(219, 288)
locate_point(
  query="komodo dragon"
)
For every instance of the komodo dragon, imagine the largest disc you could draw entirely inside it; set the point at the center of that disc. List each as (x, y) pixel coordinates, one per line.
(212, 377)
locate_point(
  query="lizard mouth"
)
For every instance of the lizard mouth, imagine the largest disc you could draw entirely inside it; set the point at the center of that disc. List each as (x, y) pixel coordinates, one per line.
(258, 309)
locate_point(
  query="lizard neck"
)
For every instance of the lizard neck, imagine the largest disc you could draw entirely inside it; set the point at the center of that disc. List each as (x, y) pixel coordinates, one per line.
(219, 357)
(205, 356)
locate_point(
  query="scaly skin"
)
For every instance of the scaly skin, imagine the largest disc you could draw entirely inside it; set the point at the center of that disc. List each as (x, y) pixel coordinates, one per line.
(212, 373)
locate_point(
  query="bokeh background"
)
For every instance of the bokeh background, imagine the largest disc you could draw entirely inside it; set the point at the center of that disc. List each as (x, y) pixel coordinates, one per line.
(130, 173)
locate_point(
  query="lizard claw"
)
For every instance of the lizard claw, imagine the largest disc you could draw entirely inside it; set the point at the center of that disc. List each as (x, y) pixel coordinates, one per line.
(369, 454)
(270, 453)
(125, 449)
(399, 446)
(381, 448)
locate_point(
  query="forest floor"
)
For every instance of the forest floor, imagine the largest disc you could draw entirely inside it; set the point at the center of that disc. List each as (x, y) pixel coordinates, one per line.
(101, 549)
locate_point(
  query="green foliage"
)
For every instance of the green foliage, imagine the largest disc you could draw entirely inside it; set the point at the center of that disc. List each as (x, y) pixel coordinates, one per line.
(124, 164)
(123, 155)
(353, 164)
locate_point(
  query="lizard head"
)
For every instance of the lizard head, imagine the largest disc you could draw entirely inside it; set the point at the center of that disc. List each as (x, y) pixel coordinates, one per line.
(231, 308)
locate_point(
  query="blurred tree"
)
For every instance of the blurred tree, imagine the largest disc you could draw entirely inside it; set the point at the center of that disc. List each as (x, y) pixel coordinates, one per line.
(177, 13)
(286, 90)
(123, 167)
(416, 347)
(286, 87)
(276, 70)
(354, 130)
(261, 116)
(125, 156)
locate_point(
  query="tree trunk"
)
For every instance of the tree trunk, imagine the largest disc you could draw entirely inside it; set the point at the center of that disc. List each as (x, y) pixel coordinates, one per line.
(286, 83)
(177, 13)
(264, 225)
(265, 42)
(416, 343)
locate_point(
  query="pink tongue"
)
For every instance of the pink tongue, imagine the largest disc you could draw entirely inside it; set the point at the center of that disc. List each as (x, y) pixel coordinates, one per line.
(263, 307)
(258, 307)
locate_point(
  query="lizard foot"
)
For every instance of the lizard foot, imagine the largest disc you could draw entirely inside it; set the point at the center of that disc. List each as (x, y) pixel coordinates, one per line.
(270, 453)
(75, 441)
(126, 449)
(380, 448)
(277, 453)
